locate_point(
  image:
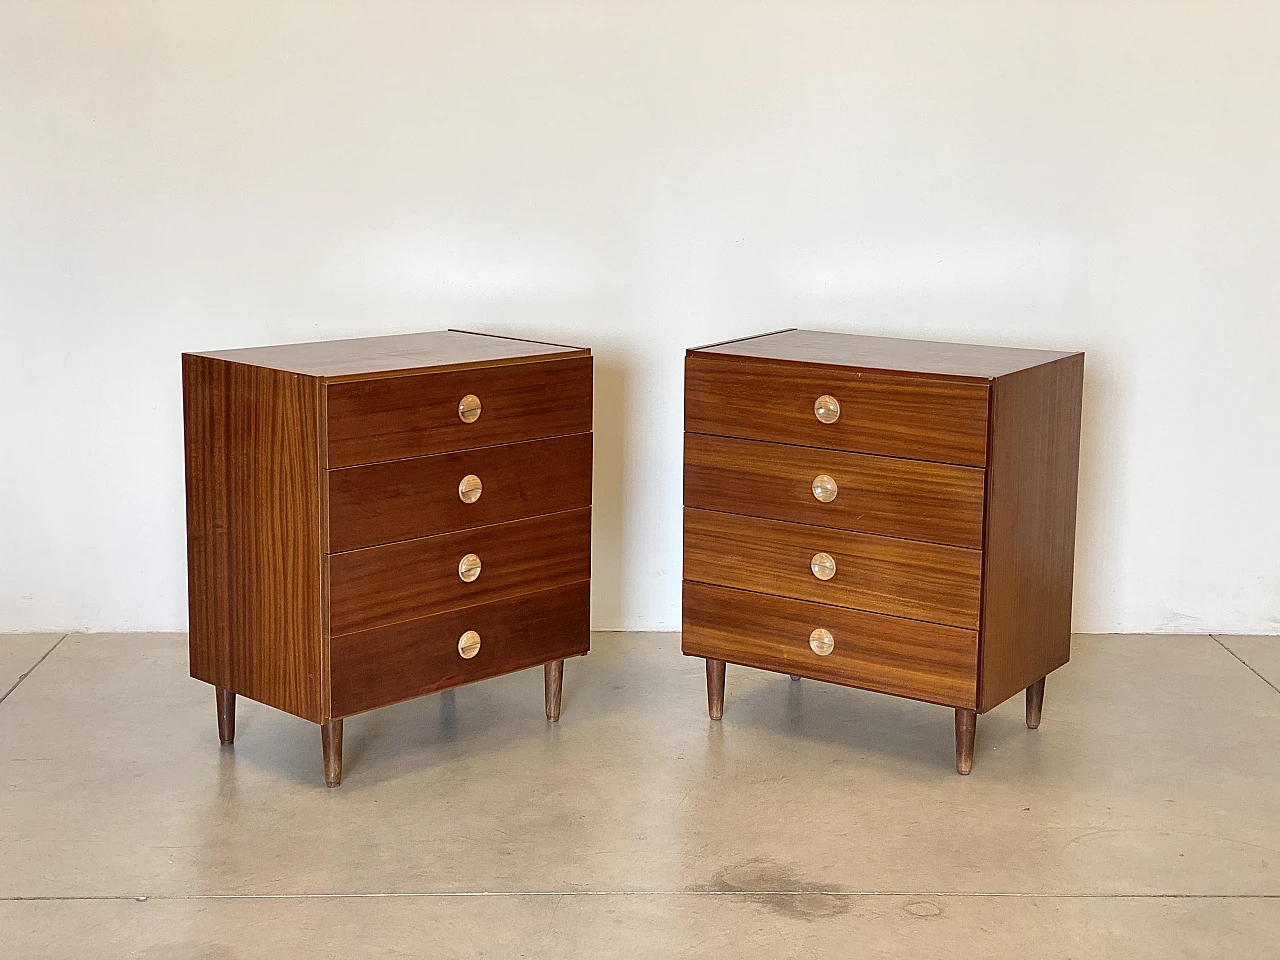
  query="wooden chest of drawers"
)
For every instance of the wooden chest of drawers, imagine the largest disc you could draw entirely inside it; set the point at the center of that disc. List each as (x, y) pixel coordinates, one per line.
(373, 520)
(887, 514)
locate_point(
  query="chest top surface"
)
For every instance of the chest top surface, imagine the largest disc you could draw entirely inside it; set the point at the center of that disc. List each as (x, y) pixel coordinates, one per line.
(959, 360)
(370, 356)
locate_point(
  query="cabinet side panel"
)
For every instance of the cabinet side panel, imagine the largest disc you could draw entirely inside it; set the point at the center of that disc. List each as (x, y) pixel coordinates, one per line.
(1032, 476)
(204, 418)
(255, 535)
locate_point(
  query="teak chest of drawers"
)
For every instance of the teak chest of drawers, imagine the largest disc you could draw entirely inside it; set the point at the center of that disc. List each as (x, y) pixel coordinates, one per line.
(887, 514)
(373, 520)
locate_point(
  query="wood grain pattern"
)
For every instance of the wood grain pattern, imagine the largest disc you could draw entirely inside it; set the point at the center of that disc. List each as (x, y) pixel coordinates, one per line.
(405, 499)
(367, 357)
(916, 357)
(908, 658)
(206, 436)
(254, 533)
(322, 491)
(265, 590)
(1031, 523)
(890, 414)
(909, 499)
(901, 578)
(981, 560)
(404, 581)
(377, 667)
(711, 347)
(410, 416)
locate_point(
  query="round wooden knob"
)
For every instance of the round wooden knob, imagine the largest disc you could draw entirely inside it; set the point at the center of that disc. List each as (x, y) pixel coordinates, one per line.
(823, 566)
(822, 642)
(827, 408)
(470, 488)
(824, 488)
(469, 568)
(468, 645)
(469, 408)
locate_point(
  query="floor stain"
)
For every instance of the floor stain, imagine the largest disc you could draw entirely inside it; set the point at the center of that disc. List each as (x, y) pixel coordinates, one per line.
(924, 909)
(779, 889)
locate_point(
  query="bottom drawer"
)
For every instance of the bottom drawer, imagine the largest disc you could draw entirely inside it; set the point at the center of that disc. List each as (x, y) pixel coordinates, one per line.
(907, 658)
(376, 667)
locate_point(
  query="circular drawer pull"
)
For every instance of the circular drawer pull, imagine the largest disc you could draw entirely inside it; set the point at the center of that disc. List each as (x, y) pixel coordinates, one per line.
(824, 488)
(470, 488)
(468, 645)
(469, 568)
(827, 408)
(823, 566)
(822, 642)
(469, 408)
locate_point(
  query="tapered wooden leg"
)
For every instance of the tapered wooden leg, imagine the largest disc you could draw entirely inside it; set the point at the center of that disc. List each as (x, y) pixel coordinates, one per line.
(226, 714)
(715, 689)
(553, 687)
(331, 738)
(966, 734)
(795, 676)
(1035, 703)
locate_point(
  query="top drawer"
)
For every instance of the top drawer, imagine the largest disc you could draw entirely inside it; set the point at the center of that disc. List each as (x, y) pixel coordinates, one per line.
(895, 415)
(408, 416)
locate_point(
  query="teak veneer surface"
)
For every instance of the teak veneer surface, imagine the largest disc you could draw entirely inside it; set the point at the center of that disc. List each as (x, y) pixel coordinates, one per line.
(916, 357)
(910, 499)
(951, 536)
(389, 664)
(907, 658)
(902, 578)
(364, 357)
(1031, 526)
(417, 578)
(415, 415)
(254, 546)
(890, 414)
(325, 525)
(418, 497)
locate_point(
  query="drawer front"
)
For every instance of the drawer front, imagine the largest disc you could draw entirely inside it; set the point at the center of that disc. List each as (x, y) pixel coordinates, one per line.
(907, 658)
(404, 581)
(901, 578)
(423, 496)
(396, 417)
(894, 415)
(376, 667)
(910, 499)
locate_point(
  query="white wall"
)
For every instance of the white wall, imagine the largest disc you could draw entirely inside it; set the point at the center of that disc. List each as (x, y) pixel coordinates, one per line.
(641, 177)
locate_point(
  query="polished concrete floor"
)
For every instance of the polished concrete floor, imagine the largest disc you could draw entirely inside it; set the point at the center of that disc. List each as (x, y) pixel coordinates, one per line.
(1142, 820)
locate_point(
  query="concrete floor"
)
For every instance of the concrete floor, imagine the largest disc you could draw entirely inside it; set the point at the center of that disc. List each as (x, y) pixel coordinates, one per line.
(1141, 820)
